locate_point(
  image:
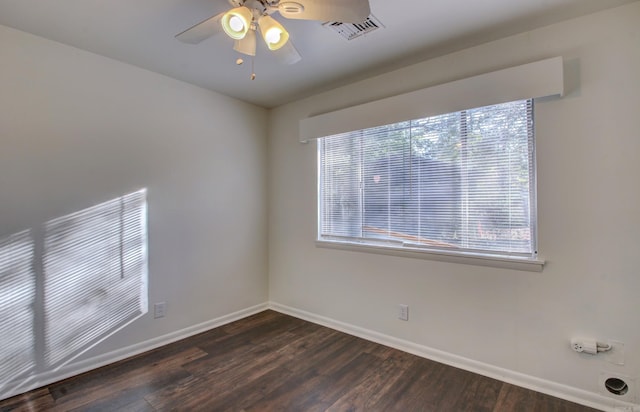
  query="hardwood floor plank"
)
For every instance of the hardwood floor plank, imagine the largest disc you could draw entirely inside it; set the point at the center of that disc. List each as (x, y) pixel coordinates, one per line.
(171, 396)
(480, 394)
(273, 362)
(250, 322)
(139, 405)
(514, 398)
(416, 389)
(287, 394)
(36, 400)
(236, 357)
(353, 348)
(337, 383)
(145, 363)
(322, 357)
(125, 388)
(253, 392)
(128, 392)
(304, 358)
(375, 385)
(223, 376)
(281, 378)
(217, 372)
(263, 332)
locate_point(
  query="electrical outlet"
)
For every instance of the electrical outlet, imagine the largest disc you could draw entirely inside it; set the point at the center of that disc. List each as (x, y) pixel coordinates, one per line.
(403, 312)
(584, 345)
(577, 346)
(159, 310)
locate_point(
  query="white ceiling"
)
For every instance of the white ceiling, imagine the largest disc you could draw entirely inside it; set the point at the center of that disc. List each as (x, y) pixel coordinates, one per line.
(141, 32)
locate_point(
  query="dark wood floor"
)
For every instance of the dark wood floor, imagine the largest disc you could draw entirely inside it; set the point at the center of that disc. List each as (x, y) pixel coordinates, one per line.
(274, 362)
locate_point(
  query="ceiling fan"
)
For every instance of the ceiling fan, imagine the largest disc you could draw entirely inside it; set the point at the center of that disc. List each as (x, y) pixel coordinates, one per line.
(246, 17)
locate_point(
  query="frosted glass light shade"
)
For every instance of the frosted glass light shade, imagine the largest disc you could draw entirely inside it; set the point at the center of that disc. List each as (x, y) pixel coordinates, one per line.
(273, 33)
(236, 22)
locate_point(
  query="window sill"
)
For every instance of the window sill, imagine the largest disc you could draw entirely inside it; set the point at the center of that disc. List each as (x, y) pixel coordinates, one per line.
(503, 262)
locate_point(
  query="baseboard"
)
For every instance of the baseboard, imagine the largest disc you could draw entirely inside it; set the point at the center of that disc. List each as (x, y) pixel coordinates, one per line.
(85, 365)
(530, 382)
(519, 379)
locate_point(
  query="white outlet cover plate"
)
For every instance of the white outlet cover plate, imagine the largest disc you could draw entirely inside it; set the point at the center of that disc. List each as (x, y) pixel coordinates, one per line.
(159, 310)
(403, 312)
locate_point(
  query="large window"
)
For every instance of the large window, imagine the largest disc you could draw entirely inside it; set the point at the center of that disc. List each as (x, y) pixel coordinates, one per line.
(461, 182)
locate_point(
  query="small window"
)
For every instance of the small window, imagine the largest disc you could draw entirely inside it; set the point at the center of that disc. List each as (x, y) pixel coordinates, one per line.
(460, 182)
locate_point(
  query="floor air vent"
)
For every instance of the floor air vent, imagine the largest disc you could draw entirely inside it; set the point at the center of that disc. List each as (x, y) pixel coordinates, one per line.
(352, 30)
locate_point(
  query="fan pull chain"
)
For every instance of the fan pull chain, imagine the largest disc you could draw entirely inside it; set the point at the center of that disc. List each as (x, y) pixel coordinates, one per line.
(239, 62)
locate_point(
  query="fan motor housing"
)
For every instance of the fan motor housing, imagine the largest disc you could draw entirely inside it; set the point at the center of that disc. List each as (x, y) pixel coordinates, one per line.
(290, 7)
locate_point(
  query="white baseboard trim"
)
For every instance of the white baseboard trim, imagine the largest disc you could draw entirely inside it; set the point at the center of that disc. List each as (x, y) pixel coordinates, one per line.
(557, 390)
(526, 381)
(85, 365)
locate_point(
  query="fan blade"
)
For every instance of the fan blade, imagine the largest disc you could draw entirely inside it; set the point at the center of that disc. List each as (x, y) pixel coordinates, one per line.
(202, 30)
(344, 11)
(287, 54)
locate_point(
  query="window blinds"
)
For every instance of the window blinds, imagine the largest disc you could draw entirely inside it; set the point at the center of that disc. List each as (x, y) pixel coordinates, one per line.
(459, 181)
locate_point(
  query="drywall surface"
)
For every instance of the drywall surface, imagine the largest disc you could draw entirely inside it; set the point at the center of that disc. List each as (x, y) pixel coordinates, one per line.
(588, 212)
(78, 129)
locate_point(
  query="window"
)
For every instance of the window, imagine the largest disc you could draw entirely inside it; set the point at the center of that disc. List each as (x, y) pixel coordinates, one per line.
(460, 182)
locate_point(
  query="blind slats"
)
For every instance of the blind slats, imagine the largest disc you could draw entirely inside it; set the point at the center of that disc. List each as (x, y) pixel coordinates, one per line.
(461, 180)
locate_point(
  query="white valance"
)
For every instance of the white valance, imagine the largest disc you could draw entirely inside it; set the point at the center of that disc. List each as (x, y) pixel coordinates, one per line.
(538, 79)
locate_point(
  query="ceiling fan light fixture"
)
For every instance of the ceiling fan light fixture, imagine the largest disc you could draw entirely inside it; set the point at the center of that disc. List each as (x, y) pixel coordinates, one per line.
(273, 33)
(237, 22)
(246, 45)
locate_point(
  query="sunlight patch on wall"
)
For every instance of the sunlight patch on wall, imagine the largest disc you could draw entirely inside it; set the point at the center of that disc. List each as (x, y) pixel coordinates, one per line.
(17, 294)
(95, 275)
(92, 283)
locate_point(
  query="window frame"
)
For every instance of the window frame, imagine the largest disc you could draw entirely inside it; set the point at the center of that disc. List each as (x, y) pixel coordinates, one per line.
(483, 258)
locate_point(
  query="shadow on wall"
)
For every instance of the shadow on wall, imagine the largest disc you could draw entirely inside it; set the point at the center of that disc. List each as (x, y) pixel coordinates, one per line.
(89, 282)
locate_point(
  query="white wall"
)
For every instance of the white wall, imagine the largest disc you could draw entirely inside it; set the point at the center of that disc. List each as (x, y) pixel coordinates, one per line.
(77, 129)
(589, 219)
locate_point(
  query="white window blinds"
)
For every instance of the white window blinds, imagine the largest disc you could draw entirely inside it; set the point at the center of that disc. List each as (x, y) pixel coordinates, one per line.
(462, 181)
